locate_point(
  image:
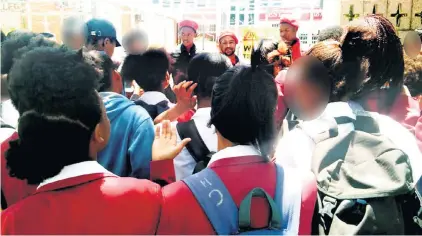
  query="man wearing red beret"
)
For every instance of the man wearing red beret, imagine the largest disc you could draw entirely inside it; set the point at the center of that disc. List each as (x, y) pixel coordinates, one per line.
(288, 31)
(227, 44)
(185, 51)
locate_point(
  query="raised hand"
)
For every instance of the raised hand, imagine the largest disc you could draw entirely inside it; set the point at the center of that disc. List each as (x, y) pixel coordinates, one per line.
(165, 146)
(184, 91)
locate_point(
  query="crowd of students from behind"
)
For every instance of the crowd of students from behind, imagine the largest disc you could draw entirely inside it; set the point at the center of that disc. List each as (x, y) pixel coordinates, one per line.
(86, 159)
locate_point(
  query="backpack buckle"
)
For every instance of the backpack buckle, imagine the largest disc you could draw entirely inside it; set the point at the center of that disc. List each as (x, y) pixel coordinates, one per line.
(328, 204)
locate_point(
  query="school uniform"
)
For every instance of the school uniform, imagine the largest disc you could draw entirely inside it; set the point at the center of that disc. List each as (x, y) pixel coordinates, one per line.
(85, 198)
(405, 109)
(13, 189)
(241, 169)
(296, 148)
(184, 163)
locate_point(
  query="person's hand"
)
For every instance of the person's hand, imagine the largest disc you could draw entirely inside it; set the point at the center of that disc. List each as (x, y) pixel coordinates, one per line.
(184, 91)
(136, 89)
(165, 146)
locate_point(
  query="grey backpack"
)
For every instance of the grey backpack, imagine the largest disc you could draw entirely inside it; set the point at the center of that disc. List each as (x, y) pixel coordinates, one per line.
(365, 183)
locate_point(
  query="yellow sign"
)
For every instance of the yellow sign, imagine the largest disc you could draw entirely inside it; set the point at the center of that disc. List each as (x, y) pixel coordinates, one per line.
(249, 38)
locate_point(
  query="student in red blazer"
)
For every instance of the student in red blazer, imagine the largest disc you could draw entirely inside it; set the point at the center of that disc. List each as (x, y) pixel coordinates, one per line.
(63, 126)
(243, 103)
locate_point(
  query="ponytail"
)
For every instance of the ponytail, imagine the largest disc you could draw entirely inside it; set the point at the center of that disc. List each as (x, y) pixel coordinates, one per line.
(243, 105)
(45, 145)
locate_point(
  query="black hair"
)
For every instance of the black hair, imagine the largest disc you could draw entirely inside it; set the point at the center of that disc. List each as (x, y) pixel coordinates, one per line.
(330, 33)
(17, 33)
(204, 69)
(47, 35)
(374, 42)
(243, 103)
(54, 91)
(10, 47)
(413, 75)
(103, 65)
(148, 70)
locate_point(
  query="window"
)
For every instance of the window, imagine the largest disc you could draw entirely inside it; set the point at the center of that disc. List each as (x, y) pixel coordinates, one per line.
(303, 38)
(275, 25)
(241, 19)
(314, 38)
(213, 27)
(251, 20)
(233, 8)
(155, 1)
(232, 19)
(166, 3)
(241, 9)
(202, 3)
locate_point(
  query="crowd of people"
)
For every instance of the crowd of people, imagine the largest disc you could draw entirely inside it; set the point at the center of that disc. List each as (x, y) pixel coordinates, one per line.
(187, 142)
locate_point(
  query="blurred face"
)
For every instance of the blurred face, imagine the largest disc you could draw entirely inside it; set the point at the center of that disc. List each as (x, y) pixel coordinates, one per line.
(137, 47)
(412, 44)
(304, 99)
(187, 35)
(287, 32)
(76, 41)
(227, 45)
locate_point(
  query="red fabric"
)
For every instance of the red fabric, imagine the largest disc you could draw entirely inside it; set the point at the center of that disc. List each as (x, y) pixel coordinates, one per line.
(162, 170)
(14, 189)
(188, 23)
(187, 116)
(291, 22)
(309, 198)
(405, 109)
(296, 52)
(88, 204)
(182, 214)
(228, 33)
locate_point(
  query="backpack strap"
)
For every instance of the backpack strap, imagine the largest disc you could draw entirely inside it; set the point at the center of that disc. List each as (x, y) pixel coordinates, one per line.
(215, 201)
(153, 110)
(196, 147)
(367, 122)
(309, 199)
(289, 201)
(5, 125)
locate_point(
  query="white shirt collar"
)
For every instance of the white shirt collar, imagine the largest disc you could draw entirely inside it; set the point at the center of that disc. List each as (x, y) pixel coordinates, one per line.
(235, 151)
(202, 113)
(338, 109)
(153, 97)
(74, 170)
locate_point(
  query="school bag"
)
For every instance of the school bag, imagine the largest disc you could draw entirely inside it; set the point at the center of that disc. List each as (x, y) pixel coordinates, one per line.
(153, 110)
(196, 147)
(227, 219)
(365, 184)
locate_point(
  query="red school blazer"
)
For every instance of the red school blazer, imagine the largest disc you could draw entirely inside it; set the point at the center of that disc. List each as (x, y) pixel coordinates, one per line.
(88, 204)
(182, 214)
(13, 189)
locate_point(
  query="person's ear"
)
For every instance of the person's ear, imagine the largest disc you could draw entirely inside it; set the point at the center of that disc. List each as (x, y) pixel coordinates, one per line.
(166, 81)
(97, 136)
(196, 34)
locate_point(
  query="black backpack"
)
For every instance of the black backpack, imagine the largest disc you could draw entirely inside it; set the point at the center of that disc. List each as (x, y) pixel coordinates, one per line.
(196, 147)
(153, 110)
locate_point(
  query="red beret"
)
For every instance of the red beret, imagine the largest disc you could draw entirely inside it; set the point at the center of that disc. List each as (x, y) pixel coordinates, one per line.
(291, 22)
(188, 23)
(228, 33)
